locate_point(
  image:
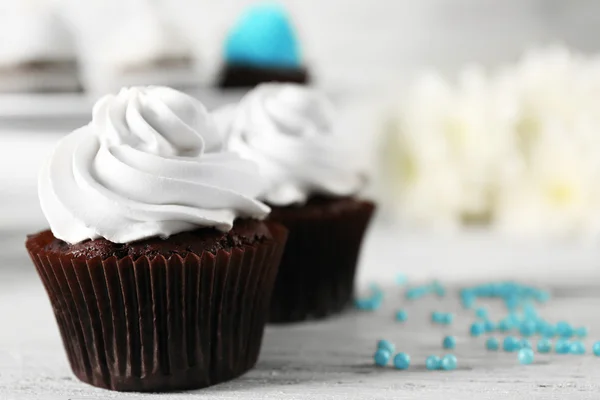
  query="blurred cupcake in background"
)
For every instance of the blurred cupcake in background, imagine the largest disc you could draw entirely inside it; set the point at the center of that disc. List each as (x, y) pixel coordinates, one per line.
(262, 47)
(129, 43)
(313, 177)
(37, 51)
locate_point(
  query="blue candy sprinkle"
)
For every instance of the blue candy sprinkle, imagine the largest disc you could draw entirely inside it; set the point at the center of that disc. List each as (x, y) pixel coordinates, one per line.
(525, 344)
(481, 312)
(544, 345)
(477, 329)
(542, 296)
(596, 349)
(510, 344)
(525, 356)
(433, 362)
(449, 342)
(581, 332)
(492, 344)
(401, 315)
(370, 303)
(562, 346)
(505, 325)
(527, 328)
(577, 348)
(367, 304)
(401, 279)
(447, 318)
(438, 288)
(402, 361)
(449, 362)
(548, 330)
(467, 299)
(489, 326)
(382, 357)
(417, 292)
(386, 345)
(436, 316)
(563, 329)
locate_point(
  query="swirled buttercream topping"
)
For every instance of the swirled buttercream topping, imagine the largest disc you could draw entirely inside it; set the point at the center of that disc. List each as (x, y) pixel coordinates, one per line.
(150, 163)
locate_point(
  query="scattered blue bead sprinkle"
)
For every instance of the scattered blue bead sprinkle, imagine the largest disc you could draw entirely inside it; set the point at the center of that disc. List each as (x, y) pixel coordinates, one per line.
(449, 362)
(581, 332)
(596, 349)
(401, 315)
(382, 357)
(577, 348)
(510, 344)
(505, 325)
(438, 288)
(449, 342)
(492, 344)
(433, 363)
(489, 326)
(481, 312)
(401, 279)
(371, 303)
(548, 331)
(525, 344)
(402, 361)
(417, 292)
(467, 298)
(562, 346)
(544, 345)
(447, 318)
(527, 328)
(436, 317)
(525, 356)
(386, 345)
(564, 330)
(477, 329)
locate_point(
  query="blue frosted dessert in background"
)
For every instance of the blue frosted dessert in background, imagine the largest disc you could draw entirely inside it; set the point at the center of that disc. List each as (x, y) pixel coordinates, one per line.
(262, 47)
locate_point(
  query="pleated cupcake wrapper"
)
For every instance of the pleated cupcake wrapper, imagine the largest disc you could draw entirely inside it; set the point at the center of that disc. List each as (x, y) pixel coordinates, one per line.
(156, 324)
(316, 275)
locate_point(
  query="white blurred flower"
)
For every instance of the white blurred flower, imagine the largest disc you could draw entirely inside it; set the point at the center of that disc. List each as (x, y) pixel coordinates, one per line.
(549, 194)
(518, 148)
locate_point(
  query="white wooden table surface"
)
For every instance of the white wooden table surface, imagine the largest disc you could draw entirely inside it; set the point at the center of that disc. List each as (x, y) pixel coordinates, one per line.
(320, 360)
(332, 359)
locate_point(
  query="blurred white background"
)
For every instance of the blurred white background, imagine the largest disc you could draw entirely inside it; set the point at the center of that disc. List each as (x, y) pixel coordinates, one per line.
(368, 45)
(367, 50)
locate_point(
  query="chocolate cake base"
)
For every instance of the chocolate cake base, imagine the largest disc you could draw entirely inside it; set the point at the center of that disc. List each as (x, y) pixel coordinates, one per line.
(316, 275)
(162, 315)
(240, 76)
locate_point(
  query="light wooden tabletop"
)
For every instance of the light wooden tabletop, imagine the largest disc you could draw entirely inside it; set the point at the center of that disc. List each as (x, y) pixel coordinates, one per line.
(323, 360)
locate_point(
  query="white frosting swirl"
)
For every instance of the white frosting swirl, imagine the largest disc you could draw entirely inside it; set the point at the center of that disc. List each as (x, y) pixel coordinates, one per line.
(151, 163)
(288, 131)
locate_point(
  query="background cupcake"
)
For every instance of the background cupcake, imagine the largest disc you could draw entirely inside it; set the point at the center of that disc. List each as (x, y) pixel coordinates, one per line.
(313, 177)
(37, 53)
(262, 47)
(157, 271)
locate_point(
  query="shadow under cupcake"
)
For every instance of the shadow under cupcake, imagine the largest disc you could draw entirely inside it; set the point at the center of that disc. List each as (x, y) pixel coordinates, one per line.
(289, 131)
(157, 266)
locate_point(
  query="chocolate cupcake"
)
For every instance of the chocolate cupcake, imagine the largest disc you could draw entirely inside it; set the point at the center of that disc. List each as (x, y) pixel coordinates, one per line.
(313, 178)
(157, 266)
(262, 47)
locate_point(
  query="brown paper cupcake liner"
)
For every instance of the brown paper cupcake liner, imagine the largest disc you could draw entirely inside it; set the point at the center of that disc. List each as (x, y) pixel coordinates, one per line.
(157, 324)
(316, 275)
(245, 76)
